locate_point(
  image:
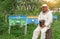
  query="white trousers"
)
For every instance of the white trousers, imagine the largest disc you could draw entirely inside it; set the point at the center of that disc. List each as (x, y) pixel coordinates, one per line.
(37, 32)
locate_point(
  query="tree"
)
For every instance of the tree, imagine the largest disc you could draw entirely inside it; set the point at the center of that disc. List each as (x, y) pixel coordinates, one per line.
(7, 7)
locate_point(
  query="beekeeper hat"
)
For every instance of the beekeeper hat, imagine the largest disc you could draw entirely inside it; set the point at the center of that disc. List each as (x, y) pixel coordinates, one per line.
(44, 5)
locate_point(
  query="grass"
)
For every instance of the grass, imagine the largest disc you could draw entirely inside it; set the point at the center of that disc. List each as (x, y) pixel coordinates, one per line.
(18, 33)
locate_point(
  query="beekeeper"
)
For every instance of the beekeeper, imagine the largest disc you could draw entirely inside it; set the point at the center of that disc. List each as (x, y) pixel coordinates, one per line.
(46, 15)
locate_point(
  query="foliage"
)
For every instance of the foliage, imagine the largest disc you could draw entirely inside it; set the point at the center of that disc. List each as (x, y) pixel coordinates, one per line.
(9, 7)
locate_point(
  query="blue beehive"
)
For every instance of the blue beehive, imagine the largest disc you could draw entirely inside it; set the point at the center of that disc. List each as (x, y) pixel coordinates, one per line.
(32, 20)
(55, 17)
(21, 20)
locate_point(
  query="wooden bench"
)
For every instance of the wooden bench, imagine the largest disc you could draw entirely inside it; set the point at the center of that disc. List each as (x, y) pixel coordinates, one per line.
(49, 34)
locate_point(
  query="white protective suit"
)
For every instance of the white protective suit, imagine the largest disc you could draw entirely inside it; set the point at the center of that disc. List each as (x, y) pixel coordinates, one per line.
(48, 20)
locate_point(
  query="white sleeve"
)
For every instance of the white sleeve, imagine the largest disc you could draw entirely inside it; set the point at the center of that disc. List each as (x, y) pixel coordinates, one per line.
(39, 17)
(49, 20)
